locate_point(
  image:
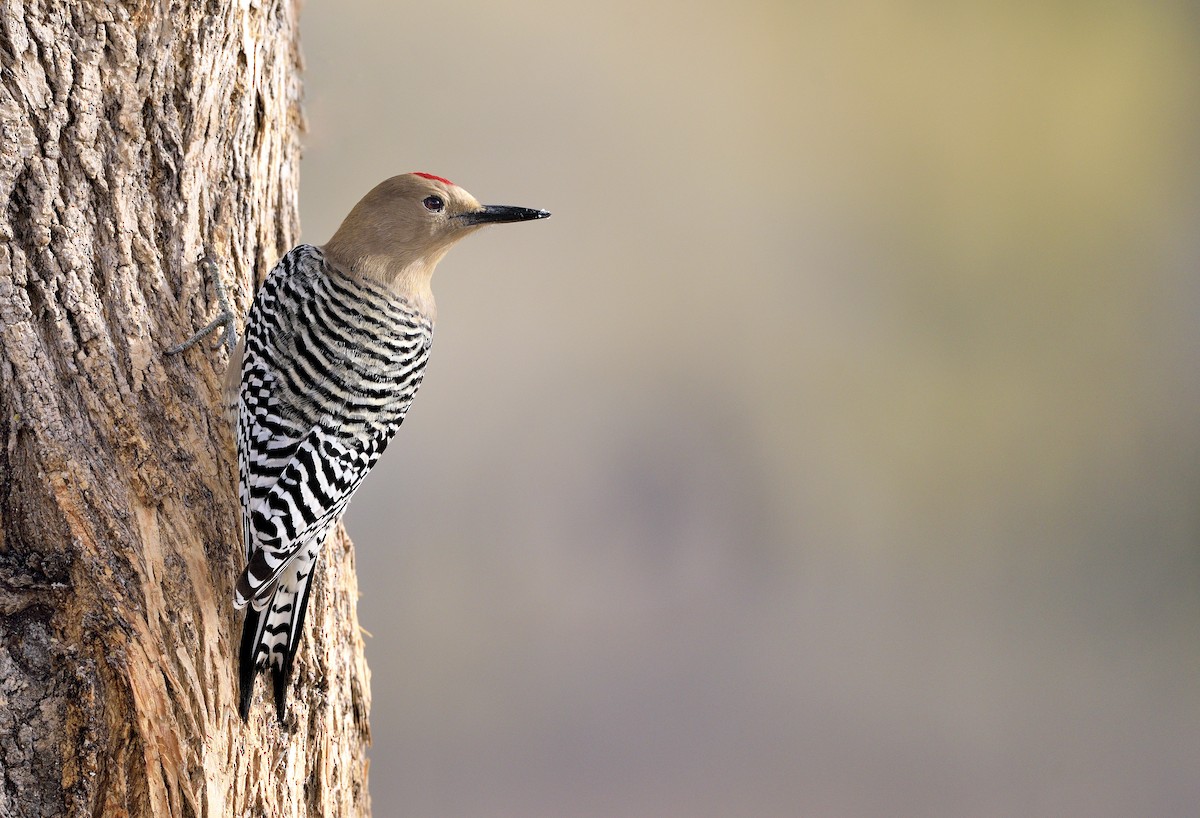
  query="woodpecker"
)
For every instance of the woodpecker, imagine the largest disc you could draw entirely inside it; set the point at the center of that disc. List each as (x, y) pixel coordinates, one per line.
(334, 349)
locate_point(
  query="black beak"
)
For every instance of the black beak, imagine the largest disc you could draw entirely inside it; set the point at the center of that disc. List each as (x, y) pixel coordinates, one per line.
(498, 214)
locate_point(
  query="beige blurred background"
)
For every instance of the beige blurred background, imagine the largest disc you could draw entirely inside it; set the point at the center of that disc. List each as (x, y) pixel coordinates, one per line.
(834, 450)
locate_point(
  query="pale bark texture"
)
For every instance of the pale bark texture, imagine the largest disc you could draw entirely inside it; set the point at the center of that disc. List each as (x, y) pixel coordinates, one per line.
(135, 138)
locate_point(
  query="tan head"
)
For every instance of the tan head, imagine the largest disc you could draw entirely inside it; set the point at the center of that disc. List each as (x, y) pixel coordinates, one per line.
(400, 230)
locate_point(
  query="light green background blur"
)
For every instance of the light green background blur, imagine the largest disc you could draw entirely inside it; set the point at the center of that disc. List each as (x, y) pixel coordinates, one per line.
(834, 450)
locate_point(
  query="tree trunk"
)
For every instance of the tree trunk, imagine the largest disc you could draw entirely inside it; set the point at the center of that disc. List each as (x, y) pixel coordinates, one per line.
(134, 139)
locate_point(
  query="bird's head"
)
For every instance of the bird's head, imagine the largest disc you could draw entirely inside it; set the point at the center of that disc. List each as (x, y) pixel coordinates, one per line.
(400, 230)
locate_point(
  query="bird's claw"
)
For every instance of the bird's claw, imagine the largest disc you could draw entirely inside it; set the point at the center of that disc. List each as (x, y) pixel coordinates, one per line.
(225, 319)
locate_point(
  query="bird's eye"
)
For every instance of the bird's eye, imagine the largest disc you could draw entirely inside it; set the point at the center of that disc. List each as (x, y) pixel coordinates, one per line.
(434, 204)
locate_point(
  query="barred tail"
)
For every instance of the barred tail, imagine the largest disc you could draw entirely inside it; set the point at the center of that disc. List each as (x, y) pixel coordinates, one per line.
(271, 636)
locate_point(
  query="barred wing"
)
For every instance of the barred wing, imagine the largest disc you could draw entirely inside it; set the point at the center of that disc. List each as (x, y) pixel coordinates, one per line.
(310, 494)
(330, 367)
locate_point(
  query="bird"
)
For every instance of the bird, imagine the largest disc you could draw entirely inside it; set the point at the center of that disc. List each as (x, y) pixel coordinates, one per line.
(333, 351)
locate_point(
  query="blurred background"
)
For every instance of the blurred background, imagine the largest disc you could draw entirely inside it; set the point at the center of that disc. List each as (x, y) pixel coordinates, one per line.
(833, 451)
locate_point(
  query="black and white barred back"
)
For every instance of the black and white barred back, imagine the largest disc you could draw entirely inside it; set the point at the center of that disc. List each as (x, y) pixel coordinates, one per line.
(329, 369)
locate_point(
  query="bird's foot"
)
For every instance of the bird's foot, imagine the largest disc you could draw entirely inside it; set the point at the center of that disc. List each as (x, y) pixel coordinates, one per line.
(225, 319)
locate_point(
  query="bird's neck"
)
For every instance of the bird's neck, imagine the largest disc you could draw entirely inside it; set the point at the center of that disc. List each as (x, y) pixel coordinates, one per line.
(408, 279)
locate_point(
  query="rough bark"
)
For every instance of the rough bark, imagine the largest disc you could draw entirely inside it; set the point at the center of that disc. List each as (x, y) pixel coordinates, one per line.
(134, 138)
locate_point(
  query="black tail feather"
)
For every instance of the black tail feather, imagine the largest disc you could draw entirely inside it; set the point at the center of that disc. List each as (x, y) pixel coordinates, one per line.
(283, 676)
(281, 686)
(247, 670)
(252, 633)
